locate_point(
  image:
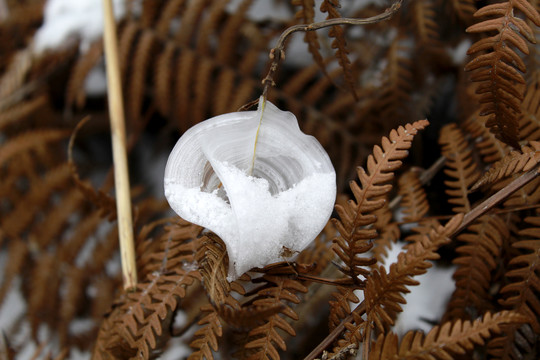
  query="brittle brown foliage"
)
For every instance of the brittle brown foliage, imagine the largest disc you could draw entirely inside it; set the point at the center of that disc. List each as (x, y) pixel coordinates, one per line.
(360, 90)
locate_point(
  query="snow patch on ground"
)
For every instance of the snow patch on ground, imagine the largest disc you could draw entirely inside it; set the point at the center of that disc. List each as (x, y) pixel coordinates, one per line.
(65, 18)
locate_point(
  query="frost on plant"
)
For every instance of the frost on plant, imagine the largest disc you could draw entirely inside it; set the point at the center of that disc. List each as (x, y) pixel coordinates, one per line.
(255, 180)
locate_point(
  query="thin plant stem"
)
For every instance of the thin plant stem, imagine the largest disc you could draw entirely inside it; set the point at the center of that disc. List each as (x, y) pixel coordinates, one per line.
(118, 135)
(278, 52)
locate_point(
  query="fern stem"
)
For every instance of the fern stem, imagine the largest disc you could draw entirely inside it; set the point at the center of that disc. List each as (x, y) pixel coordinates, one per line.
(118, 135)
(278, 52)
(496, 198)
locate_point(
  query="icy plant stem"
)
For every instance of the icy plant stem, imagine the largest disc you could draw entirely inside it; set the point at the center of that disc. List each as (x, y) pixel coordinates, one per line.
(118, 135)
(263, 104)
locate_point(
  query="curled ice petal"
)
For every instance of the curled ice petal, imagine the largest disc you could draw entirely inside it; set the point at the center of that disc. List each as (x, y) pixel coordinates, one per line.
(263, 208)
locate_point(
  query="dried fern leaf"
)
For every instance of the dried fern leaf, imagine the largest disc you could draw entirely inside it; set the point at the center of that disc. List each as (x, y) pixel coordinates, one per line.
(340, 44)
(383, 291)
(394, 96)
(529, 122)
(414, 201)
(514, 163)
(22, 110)
(205, 339)
(306, 14)
(340, 308)
(264, 340)
(229, 34)
(19, 219)
(18, 255)
(170, 10)
(486, 143)
(464, 10)
(522, 292)
(461, 167)
(140, 63)
(497, 67)
(213, 267)
(75, 94)
(138, 325)
(99, 198)
(389, 233)
(15, 75)
(477, 260)
(517, 341)
(28, 141)
(444, 341)
(425, 23)
(355, 217)
(209, 26)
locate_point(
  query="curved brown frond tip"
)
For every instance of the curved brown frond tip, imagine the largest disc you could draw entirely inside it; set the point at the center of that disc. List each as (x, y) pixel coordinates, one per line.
(461, 168)
(497, 66)
(442, 342)
(339, 43)
(205, 339)
(513, 163)
(355, 216)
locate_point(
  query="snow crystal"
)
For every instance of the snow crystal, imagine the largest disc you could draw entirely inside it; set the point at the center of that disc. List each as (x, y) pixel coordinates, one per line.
(64, 18)
(257, 225)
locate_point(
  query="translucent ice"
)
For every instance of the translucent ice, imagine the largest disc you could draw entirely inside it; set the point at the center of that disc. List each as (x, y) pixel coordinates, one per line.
(262, 205)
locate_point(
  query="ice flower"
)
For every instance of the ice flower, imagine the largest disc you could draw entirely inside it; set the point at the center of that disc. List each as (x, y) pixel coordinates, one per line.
(254, 179)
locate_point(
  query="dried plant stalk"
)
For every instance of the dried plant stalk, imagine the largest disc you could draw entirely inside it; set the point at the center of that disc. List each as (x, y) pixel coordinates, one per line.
(118, 134)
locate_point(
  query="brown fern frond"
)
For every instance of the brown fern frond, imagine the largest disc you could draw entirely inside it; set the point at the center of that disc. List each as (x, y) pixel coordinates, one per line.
(213, 267)
(276, 292)
(72, 300)
(383, 289)
(140, 63)
(522, 293)
(486, 143)
(414, 201)
(340, 308)
(22, 110)
(57, 219)
(463, 10)
(229, 34)
(517, 341)
(340, 44)
(394, 96)
(14, 76)
(18, 255)
(139, 323)
(355, 217)
(102, 200)
(529, 122)
(75, 94)
(19, 219)
(43, 297)
(306, 14)
(170, 10)
(497, 66)
(28, 141)
(477, 260)
(388, 236)
(425, 24)
(205, 339)
(461, 167)
(444, 341)
(514, 163)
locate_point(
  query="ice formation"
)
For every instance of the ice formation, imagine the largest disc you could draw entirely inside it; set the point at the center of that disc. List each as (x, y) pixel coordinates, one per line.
(261, 205)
